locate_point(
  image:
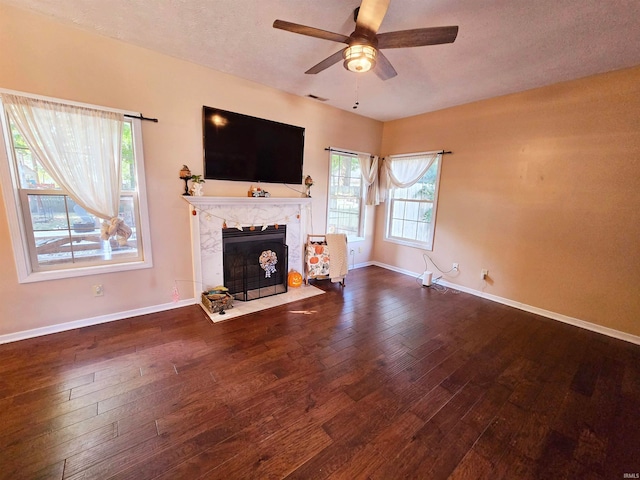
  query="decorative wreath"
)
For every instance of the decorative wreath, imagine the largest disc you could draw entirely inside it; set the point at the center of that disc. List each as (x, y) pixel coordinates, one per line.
(268, 260)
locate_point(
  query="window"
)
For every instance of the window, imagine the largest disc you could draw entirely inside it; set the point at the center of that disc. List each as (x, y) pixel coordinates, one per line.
(411, 213)
(345, 195)
(54, 237)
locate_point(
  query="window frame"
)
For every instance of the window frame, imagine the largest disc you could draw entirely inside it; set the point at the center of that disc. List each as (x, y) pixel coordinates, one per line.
(20, 226)
(428, 243)
(361, 211)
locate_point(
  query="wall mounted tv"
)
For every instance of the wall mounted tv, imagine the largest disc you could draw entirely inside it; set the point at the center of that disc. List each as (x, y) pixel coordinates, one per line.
(243, 148)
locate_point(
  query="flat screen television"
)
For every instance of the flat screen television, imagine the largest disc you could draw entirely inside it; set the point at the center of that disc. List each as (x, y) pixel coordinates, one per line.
(243, 148)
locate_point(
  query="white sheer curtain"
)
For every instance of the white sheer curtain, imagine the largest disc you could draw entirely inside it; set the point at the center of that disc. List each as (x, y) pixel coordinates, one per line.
(369, 168)
(405, 170)
(80, 148)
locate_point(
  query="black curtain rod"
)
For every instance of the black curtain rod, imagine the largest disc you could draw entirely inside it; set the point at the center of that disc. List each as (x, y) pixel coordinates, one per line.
(443, 152)
(142, 117)
(341, 151)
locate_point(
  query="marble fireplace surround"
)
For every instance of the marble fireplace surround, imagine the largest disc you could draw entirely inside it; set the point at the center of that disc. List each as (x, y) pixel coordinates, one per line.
(245, 212)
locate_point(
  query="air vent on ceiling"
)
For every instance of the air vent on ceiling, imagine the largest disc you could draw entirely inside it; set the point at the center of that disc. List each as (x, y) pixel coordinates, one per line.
(315, 97)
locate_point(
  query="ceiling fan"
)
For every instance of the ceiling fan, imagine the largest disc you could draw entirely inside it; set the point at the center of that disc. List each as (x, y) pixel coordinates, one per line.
(364, 44)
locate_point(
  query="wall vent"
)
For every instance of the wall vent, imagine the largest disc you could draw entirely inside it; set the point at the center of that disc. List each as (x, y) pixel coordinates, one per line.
(315, 97)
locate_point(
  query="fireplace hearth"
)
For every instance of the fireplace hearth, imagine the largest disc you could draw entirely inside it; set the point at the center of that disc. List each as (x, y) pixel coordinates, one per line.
(255, 262)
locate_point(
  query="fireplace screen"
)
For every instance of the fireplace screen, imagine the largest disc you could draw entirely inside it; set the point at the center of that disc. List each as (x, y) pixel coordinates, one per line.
(255, 262)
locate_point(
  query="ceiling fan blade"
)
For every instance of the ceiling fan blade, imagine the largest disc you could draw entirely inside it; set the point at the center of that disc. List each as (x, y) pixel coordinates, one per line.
(370, 15)
(326, 63)
(310, 31)
(418, 37)
(383, 69)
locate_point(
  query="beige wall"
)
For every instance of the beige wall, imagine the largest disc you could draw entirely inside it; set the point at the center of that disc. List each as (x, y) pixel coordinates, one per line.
(543, 190)
(42, 57)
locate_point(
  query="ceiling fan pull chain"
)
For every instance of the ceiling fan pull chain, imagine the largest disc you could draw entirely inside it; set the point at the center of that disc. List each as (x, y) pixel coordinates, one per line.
(355, 105)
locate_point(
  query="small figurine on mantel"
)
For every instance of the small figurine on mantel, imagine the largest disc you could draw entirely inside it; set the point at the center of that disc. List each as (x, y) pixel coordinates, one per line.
(258, 192)
(185, 174)
(196, 187)
(308, 183)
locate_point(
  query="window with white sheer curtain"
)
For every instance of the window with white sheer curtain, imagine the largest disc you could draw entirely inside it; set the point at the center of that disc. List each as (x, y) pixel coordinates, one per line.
(77, 189)
(412, 192)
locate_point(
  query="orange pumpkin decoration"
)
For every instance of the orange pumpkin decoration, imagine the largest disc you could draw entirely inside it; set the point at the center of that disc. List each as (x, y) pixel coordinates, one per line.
(319, 249)
(295, 279)
(313, 260)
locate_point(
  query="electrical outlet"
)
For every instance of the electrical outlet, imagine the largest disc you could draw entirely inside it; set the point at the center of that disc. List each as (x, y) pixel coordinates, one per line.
(484, 274)
(455, 267)
(359, 249)
(98, 290)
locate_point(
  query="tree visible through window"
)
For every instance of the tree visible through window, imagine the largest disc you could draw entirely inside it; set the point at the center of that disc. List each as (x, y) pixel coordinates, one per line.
(345, 195)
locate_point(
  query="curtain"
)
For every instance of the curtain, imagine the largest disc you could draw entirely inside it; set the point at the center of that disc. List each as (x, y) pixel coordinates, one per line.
(369, 168)
(80, 148)
(404, 171)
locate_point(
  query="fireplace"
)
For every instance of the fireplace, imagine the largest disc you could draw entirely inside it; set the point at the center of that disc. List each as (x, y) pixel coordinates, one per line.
(211, 216)
(255, 262)
(213, 213)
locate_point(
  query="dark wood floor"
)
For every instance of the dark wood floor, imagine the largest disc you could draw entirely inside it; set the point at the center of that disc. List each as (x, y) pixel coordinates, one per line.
(384, 379)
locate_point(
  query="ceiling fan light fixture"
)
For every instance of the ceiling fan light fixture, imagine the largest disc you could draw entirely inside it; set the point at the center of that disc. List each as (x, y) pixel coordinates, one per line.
(359, 58)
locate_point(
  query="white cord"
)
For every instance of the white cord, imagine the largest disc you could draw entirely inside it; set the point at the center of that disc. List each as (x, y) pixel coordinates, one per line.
(425, 256)
(290, 187)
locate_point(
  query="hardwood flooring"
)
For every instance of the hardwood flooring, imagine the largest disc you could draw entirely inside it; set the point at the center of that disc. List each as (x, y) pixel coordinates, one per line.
(384, 379)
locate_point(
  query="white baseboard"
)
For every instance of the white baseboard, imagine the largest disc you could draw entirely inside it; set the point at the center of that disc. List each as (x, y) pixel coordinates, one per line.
(610, 332)
(62, 327)
(36, 332)
(361, 265)
(396, 269)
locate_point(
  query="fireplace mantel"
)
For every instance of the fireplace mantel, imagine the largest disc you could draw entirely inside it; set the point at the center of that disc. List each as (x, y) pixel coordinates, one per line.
(211, 213)
(203, 201)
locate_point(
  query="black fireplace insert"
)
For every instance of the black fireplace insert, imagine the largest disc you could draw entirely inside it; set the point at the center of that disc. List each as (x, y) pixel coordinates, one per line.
(255, 262)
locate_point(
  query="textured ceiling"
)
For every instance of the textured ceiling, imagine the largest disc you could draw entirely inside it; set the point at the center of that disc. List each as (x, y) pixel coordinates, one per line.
(503, 46)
